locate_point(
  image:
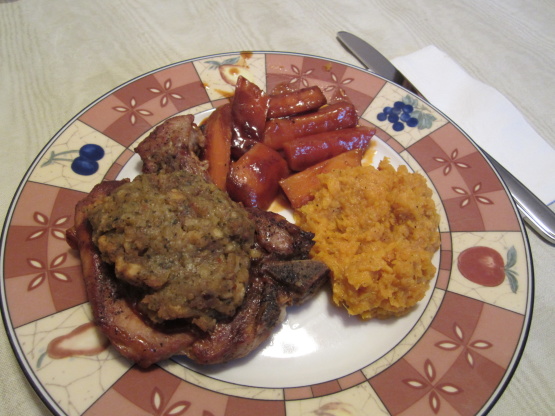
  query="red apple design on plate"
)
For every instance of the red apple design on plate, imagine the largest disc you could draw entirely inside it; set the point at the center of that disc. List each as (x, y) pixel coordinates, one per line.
(485, 266)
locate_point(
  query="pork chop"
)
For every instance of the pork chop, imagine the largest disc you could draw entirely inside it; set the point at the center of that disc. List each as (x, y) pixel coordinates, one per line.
(280, 275)
(280, 272)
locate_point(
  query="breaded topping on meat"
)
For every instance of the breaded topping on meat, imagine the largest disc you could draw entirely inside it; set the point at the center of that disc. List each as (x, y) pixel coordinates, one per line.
(182, 240)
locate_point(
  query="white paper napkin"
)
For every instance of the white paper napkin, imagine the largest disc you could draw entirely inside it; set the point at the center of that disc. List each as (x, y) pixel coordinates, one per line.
(485, 115)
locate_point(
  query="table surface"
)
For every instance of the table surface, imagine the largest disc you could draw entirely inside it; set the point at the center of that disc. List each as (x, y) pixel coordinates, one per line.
(56, 57)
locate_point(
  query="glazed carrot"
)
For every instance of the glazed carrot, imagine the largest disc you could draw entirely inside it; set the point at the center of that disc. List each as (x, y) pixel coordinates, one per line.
(296, 102)
(217, 151)
(240, 146)
(278, 131)
(254, 177)
(299, 187)
(309, 150)
(282, 88)
(336, 116)
(249, 109)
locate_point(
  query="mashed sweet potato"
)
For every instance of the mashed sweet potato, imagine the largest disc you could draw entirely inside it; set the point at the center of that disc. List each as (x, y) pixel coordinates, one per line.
(377, 230)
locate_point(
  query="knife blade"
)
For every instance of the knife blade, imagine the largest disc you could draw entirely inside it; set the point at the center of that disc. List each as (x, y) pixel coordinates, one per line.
(532, 209)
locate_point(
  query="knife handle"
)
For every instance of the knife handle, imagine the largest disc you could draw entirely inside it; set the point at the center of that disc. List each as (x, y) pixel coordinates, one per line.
(536, 214)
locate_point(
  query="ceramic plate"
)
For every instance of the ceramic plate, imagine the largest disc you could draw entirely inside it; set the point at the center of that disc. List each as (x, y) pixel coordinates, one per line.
(453, 354)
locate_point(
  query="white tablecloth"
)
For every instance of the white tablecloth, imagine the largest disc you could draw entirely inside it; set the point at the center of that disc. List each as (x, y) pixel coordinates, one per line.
(57, 56)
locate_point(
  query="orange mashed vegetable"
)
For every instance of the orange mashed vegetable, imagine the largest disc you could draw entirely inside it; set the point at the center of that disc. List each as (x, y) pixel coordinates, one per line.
(377, 230)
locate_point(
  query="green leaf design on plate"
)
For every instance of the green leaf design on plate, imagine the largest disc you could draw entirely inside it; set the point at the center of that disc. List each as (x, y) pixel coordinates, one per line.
(408, 99)
(513, 282)
(41, 359)
(217, 64)
(426, 121)
(511, 258)
(511, 274)
(421, 112)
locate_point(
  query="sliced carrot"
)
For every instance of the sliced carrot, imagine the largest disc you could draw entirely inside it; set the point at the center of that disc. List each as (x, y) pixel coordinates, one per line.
(218, 133)
(299, 188)
(295, 102)
(254, 177)
(306, 151)
(249, 109)
(340, 115)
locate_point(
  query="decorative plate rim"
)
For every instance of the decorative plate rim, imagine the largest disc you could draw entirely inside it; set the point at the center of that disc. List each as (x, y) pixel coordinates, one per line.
(10, 329)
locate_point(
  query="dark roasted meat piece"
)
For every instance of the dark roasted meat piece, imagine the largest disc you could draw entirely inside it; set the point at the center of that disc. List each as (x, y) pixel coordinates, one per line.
(278, 237)
(299, 278)
(174, 145)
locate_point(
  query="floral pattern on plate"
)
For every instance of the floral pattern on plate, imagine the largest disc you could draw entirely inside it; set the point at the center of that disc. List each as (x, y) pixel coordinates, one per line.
(454, 357)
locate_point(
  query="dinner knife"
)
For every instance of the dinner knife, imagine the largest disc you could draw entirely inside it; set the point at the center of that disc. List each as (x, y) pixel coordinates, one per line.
(532, 209)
